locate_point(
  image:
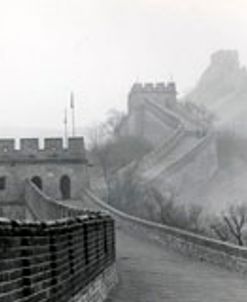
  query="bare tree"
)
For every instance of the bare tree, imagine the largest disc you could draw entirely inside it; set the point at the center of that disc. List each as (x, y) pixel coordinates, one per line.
(220, 230)
(178, 215)
(113, 124)
(107, 130)
(112, 151)
(231, 226)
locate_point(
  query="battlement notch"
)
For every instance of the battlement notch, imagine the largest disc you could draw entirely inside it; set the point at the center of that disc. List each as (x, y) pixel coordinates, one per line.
(30, 149)
(160, 87)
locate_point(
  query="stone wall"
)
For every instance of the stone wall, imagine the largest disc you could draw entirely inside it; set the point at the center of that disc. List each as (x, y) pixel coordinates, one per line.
(98, 290)
(50, 174)
(155, 156)
(151, 123)
(157, 125)
(49, 164)
(30, 150)
(70, 259)
(184, 156)
(165, 94)
(219, 253)
(191, 172)
(148, 122)
(41, 207)
(13, 210)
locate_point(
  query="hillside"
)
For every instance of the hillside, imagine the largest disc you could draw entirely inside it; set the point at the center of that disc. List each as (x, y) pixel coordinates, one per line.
(222, 88)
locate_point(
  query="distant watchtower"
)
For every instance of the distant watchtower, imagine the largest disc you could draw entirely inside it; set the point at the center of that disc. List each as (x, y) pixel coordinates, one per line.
(163, 94)
(60, 172)
(142, 121)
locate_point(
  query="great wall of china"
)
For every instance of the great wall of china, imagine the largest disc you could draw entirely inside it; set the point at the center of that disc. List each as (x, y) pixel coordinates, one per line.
(62, 251)
(184, 154)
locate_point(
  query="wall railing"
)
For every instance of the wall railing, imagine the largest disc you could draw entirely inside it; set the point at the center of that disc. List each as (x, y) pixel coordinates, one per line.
(55, 260)
(207, 249)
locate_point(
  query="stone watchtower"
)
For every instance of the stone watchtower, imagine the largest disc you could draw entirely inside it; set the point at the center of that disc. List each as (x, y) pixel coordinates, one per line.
(145, 120)
(60, 172)
(163, 94)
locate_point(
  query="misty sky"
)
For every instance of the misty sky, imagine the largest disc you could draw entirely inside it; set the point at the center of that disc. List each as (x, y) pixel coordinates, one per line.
(98, 48)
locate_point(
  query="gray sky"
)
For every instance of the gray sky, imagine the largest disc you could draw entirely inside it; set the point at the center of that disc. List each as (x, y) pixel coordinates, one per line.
(98, 48)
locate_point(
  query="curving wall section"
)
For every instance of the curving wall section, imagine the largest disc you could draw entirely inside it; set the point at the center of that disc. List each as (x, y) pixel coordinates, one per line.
(189, 172)
(184, 157)
(41, 207)
(64, 259)
(155, 156)
(199, 247)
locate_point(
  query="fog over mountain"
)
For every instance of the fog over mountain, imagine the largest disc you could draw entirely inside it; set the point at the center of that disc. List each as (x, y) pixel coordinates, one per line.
(222, 88)
(98, 49)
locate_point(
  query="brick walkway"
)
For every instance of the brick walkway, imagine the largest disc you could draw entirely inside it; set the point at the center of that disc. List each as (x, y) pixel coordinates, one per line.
(149, 273)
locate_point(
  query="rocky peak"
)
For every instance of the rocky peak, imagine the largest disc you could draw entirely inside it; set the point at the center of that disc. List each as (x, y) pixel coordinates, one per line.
(223, 85)
(225, 59)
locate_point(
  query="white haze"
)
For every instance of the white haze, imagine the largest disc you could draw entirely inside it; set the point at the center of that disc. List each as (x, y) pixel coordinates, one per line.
(98, 48)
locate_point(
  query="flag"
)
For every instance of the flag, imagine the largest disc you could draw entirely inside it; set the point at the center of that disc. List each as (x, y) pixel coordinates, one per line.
(72, 103)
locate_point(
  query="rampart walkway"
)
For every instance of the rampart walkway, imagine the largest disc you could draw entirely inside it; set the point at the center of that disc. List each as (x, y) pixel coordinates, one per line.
(150, 273)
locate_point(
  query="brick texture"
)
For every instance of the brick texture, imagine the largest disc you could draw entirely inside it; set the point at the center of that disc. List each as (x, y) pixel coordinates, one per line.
(57, 260)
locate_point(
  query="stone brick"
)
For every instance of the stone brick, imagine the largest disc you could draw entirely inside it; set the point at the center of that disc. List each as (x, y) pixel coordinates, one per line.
(49, 262)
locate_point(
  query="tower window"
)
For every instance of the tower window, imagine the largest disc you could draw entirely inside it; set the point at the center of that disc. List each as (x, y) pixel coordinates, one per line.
(37, 181)
(2, 183)
(65, 187)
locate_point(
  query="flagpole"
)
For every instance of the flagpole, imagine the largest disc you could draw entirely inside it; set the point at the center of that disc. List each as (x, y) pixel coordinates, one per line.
(65, 128)
(72, 106)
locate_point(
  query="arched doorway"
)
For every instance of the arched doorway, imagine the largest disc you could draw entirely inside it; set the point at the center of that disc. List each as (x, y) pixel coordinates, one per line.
(65, 187)
(37, 181)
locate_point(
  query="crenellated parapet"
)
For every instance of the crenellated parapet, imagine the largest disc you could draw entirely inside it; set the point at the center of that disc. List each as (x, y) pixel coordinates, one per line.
(184, 154)
(69, 255)
(58, 169)
(140, 117)
(54, 149)
(142, 121)
(169, 88)
(160, 93)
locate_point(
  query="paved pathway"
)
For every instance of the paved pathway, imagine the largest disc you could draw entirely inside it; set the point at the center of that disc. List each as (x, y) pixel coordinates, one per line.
(149, 273)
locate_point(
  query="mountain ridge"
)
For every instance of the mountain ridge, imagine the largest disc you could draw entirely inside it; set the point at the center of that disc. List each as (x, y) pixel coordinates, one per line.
(222, 88)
